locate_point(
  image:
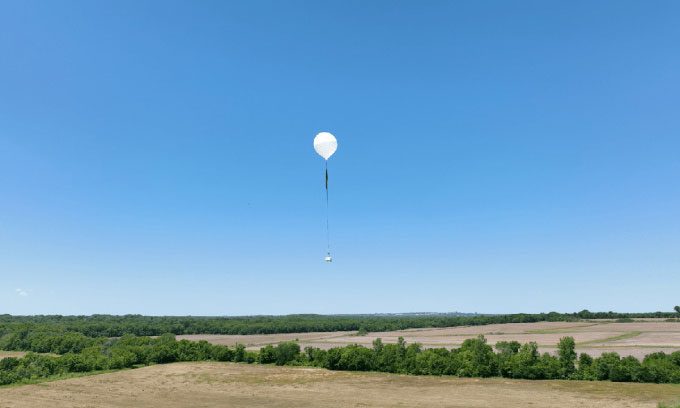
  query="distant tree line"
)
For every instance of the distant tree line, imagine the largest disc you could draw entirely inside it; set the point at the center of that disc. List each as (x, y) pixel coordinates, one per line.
(475, 358)
(116, 326)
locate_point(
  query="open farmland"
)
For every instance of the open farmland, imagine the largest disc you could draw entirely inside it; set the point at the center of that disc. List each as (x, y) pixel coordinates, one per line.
(240, 385)
(593, 337)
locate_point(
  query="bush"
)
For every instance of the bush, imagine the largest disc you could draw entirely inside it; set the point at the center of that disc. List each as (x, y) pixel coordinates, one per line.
(439, 361)
(121, 358)
(250, 357)
(355, 358)
(267, 355)
(286, 352)
(659, 368)
(585, 370)
(627, 370)
(222, 353)
(604, 364)
(316, 357)
(163, 354)
(240, 353)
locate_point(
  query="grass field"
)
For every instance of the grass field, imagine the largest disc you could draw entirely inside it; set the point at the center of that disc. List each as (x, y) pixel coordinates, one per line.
(4, 354)
(594, 337)
(239, 385)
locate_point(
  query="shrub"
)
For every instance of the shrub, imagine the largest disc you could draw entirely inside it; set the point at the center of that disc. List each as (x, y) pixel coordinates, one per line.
(286, 352)
(222, 353)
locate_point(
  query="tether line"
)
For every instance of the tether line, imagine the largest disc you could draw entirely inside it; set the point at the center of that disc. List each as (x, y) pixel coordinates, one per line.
(328, 232)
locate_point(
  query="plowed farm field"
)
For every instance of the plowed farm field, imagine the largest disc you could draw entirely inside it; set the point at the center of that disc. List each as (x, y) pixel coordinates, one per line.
(593, 337)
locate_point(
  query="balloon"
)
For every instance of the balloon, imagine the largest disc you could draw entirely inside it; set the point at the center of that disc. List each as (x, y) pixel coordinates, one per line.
(325, 144)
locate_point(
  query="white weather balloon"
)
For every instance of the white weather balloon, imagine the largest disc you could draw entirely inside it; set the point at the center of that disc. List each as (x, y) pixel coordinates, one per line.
(325, 144)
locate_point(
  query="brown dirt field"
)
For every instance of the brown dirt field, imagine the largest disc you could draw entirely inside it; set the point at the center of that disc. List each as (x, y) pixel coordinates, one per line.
(594, 337)
(643, 326)
(423, 338)
(240, 385)
(652, 339)
(258, 340)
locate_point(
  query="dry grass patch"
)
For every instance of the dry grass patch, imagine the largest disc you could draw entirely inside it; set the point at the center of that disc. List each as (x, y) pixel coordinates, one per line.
(240, 385)
(4, 354)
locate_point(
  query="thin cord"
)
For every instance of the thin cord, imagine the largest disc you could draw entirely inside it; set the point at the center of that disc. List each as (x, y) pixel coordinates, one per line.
(328, 232)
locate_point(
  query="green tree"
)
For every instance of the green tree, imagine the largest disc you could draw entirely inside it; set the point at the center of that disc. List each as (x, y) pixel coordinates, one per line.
(267, 355)
(387, 357)
(628, 369)
(506, 349)
(222, 353)
(333, 357)
(605, 364)
(286, 352)
(408, 362)
(566, 350)
(585, 367)
(377, 345)
(549, 367)
(477, 358)
(356, 358)
(436, 361)
(316, 356)
(524, 363)
(660, 368)
(240, 353)
(121, 358)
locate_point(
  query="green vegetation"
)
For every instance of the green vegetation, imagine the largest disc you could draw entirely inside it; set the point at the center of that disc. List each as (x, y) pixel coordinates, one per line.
(475, 358)
(116, 326)
(84, 344)
(126, 352)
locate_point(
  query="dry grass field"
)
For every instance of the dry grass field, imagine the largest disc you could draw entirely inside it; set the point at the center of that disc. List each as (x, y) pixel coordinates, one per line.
(240, 385)
(4, 354)
(594, 337)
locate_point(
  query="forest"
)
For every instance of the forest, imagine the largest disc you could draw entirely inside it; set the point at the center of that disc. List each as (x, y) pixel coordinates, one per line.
(116, 326)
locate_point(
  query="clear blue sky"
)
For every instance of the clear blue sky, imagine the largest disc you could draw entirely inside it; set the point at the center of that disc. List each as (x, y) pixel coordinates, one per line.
(496, 156)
